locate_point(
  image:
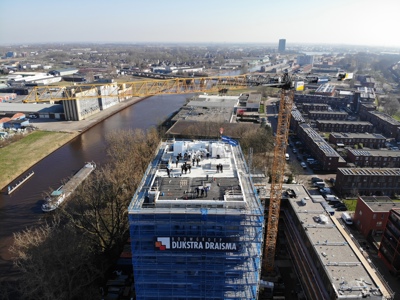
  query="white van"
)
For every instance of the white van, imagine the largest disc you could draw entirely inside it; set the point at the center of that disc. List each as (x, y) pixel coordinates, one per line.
(347, 219)
(287, 156)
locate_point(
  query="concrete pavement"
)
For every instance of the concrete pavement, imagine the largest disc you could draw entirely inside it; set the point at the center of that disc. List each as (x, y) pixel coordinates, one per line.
(80, 126)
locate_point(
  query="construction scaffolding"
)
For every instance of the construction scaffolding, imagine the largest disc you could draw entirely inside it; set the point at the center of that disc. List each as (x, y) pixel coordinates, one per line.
(170, 240)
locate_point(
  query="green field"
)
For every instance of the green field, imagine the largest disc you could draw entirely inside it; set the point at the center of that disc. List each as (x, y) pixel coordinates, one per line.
(19, 156)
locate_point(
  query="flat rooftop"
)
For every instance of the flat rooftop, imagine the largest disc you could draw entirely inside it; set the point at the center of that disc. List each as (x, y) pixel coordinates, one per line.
(370, 171)
(376, 153)
(358, 135)
(380, 203)
(208, 174)
(347, 273)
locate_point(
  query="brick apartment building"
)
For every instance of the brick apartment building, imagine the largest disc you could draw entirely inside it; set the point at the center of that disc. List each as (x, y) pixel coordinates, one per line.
(371, 214)
(389, 249)
(329, 159)
(327, 115)
(368, 181)
(306, 107)
(370, 140)
(343, 126)
(334, 102)
(382, 122)
(374, 158)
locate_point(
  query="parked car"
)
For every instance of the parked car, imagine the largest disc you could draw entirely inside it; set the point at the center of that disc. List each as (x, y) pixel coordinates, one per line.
(325, 191)
(294, 150)
(341, 208)
(303, 165)
(339, 205)
(315, 179)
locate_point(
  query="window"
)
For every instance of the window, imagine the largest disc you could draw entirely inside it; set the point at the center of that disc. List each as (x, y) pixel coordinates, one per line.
(360, 212)
(379, 224)
(374, 216)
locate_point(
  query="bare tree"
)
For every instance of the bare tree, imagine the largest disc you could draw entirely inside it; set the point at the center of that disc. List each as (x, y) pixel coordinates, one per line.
(55, 263)
(100, 206)
(392, 106)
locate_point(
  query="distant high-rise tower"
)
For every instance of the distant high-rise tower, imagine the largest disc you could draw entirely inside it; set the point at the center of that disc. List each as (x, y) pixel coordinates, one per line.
(282, 45)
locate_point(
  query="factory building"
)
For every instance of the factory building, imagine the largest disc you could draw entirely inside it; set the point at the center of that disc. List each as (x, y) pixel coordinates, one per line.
(89, 101)
(196, 224)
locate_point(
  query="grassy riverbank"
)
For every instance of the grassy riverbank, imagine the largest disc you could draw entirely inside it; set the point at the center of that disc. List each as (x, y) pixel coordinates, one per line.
(17, 157)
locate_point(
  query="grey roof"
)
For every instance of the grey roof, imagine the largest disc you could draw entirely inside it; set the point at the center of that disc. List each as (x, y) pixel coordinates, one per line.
(384, 153)
(345, 270)
(351, 135)
(379, 203)
(31, 108)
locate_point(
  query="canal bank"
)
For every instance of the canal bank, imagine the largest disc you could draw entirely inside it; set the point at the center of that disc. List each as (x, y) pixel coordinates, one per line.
(22, 209)
(73, 128)
(83, 125)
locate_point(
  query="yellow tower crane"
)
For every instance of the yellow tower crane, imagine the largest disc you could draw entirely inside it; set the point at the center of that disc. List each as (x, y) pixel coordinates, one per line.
(277, 172)
(195, 85)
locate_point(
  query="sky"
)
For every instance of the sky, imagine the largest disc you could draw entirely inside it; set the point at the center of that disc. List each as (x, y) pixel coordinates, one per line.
(350, 22)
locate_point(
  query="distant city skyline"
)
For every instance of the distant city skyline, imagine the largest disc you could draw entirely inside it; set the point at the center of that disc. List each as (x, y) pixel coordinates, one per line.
(355, 22)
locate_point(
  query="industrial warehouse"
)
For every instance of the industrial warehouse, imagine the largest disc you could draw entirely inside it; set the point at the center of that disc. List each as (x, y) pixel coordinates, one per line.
(199, 193)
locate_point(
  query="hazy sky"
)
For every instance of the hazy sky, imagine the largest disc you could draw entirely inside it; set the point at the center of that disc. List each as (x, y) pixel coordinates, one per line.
(353, 22)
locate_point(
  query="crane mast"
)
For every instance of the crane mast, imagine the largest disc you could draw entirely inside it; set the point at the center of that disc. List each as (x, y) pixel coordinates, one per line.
(277, 172)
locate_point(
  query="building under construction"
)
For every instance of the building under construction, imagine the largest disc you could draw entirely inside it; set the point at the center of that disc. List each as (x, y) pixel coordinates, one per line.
(196, 224)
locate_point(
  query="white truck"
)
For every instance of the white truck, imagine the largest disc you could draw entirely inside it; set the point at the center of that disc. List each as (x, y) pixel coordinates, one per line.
(347, 219)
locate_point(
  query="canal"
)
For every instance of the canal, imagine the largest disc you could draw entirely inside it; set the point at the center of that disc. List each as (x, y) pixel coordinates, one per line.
(22, 209)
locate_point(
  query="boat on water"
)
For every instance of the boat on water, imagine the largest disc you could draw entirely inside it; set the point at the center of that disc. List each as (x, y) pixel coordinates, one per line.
(54, 200)
(58, 196)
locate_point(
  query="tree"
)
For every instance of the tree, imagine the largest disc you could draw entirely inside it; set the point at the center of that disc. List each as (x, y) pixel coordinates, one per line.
(55, 263)
(392, 106)
(100, 207)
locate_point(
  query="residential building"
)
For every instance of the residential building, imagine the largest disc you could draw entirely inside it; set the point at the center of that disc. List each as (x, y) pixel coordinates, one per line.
(389, 249)
(328, 158)
(361, 140)
(196, 234)
(367, 158)
(368, 181)
(372, 213)
(343, 126)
